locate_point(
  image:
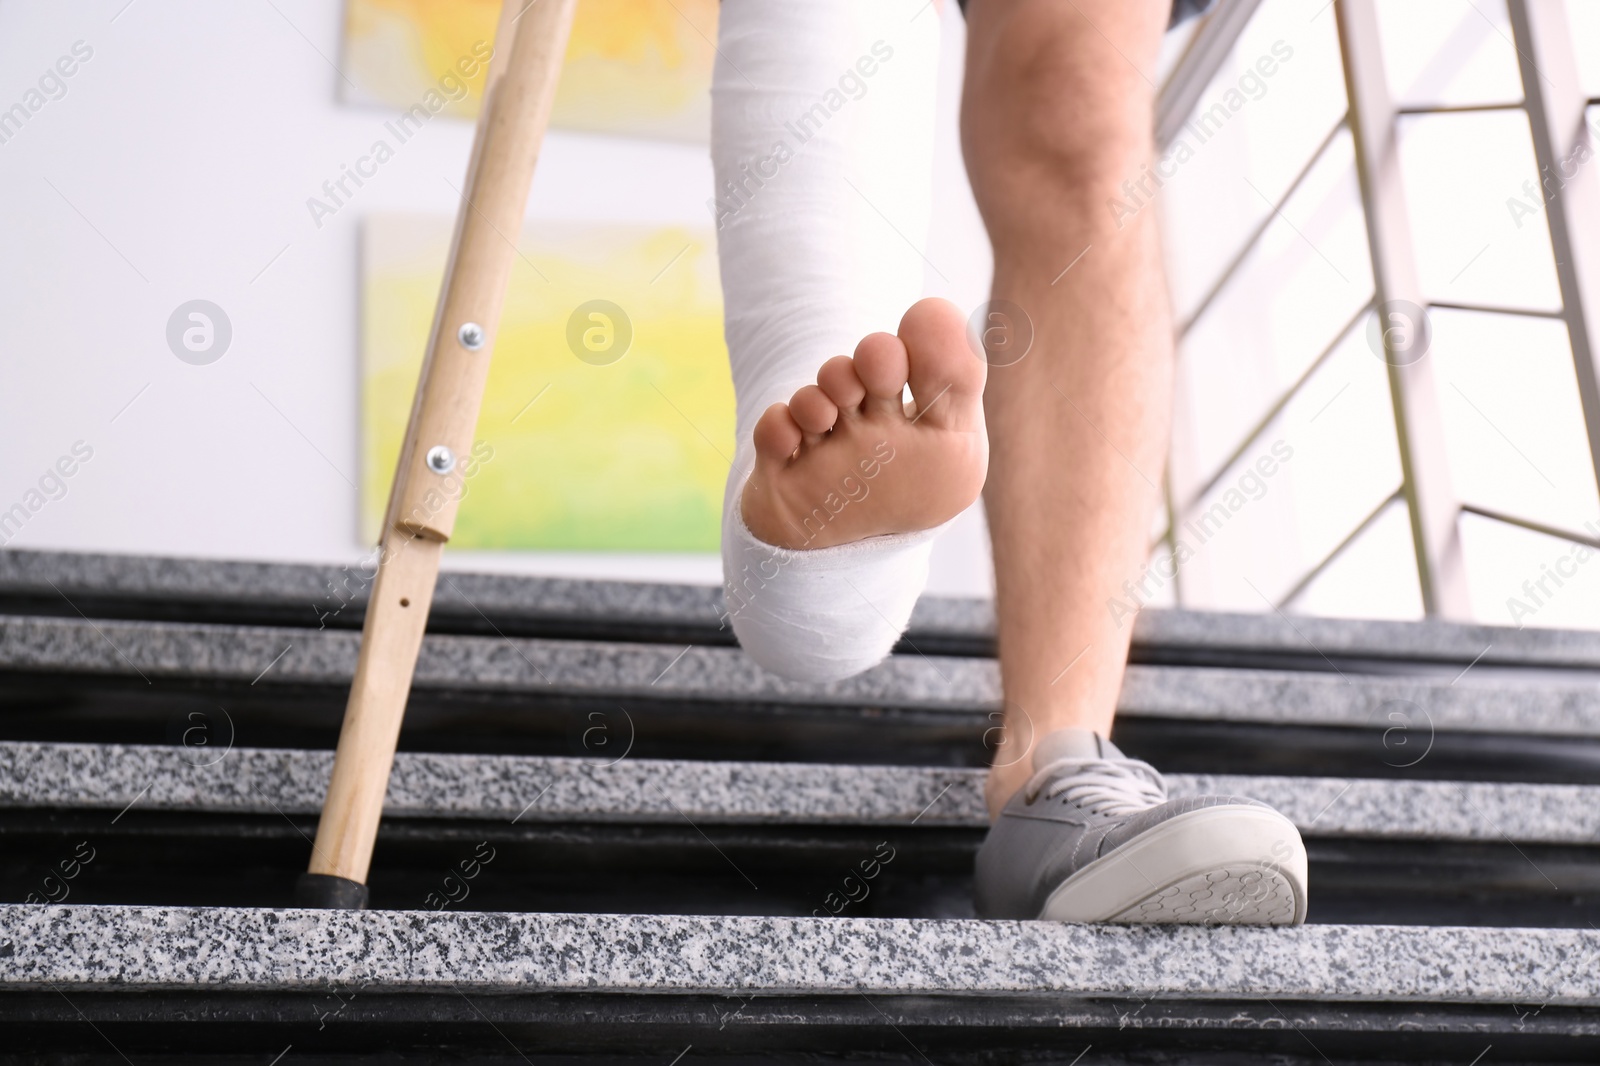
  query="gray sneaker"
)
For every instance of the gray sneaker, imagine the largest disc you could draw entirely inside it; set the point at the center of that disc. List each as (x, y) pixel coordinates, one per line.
(1092, 837)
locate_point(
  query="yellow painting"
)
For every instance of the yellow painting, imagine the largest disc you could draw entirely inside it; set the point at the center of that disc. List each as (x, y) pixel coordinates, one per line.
(607, 424)
(636, 67)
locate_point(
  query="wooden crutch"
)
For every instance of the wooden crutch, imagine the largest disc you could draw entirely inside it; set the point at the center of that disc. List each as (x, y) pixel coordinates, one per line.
(518, 91)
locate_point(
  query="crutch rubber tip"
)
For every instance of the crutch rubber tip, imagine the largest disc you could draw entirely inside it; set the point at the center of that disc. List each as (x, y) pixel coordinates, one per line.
(327, 892)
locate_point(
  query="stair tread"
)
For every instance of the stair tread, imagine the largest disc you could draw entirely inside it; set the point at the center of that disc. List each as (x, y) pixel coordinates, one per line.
(169, 948)
(307, 586)
(310, 589)
(539, 788)
(278, 655)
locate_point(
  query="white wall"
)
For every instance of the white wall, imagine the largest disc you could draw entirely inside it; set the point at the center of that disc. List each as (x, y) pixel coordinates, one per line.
(176, 167)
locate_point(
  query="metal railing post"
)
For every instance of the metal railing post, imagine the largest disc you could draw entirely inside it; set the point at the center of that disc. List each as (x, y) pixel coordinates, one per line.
(1419, 427)
(1565, 150)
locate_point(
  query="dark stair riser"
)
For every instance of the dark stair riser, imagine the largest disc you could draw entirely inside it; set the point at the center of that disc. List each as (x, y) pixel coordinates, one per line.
(86, 708)
(443, 618)
(354, 1024)
(174, 858)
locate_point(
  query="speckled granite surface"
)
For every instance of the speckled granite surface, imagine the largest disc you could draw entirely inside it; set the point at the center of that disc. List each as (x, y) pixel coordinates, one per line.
(555, 789)
(166, 948)
(1448, 642)
(295, 584)
(660, 670)
(323, 588)
(724, 674)
(1420, 705)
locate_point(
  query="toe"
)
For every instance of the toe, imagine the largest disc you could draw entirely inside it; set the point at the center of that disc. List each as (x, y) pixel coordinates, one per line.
(776, 435)
(946, 378)
(838, 378)
(882, 366)
(813, 411)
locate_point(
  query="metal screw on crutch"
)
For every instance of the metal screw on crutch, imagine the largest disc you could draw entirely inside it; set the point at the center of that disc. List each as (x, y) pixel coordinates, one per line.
(441, 460)
(517, 96)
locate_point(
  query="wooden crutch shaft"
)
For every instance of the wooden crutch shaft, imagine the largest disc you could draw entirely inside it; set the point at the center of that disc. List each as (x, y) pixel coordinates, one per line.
(518, 94)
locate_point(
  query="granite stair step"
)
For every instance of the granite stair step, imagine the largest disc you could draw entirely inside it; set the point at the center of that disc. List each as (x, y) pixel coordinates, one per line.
(735, 837)
(72, 584)
(130, 680)
(537, 788)
(566, 987)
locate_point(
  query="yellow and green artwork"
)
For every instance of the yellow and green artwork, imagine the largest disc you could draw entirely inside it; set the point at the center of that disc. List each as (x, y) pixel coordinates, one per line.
(608, 420)
(638, 67)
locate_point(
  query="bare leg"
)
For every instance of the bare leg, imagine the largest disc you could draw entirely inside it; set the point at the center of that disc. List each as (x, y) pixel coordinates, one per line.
(1056, 116)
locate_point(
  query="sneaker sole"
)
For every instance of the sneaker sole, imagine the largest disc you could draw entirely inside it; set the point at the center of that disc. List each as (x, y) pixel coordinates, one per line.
(1229, 865)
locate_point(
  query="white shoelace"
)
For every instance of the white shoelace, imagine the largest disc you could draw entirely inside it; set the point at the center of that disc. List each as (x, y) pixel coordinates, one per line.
(1101, 786)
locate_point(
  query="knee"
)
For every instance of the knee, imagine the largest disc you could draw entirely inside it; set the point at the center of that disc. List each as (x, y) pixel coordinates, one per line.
(1051, 105)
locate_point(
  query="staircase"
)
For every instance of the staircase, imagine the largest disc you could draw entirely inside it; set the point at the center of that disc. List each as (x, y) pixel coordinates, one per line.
(611, 838)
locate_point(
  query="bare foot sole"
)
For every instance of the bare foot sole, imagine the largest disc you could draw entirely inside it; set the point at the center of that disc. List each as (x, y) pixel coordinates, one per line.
(848, 458)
